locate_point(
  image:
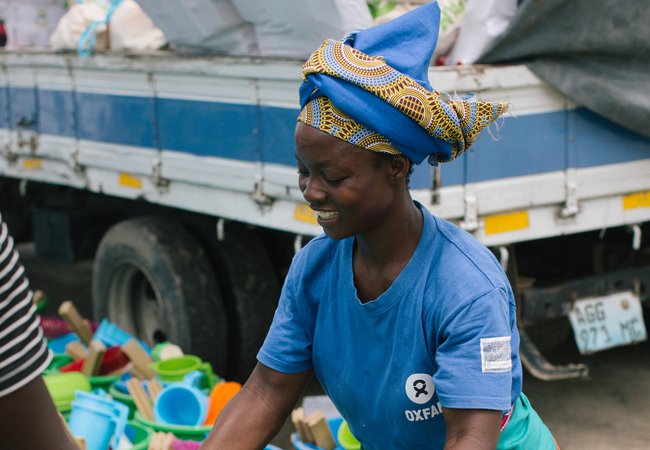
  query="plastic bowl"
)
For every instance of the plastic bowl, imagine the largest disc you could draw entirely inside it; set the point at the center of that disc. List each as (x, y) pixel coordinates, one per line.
(103, 381)
(62, 388)
(182, 432)
(138, 434)
(346, 439)
(123, 398)
(57, 362)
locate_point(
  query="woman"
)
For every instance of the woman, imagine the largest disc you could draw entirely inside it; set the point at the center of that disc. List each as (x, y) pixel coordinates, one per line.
(408, 322)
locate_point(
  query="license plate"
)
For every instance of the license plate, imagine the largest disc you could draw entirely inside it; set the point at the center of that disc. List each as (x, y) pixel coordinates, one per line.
(610, 321)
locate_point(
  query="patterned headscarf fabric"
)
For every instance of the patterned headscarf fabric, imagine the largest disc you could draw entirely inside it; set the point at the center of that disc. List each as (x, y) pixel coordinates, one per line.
(386, 91)
(320, 113)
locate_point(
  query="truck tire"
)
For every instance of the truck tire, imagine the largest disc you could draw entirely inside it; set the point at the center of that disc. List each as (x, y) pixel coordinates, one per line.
(250, 287)
(154, 280)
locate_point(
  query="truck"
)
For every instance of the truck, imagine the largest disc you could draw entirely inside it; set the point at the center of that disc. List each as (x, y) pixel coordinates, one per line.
(176, 173)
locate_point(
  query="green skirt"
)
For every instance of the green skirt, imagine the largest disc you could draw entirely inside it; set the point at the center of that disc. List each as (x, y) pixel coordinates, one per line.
(525, 430)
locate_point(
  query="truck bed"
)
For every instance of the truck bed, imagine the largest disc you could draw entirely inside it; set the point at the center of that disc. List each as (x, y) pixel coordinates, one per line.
(215, 135)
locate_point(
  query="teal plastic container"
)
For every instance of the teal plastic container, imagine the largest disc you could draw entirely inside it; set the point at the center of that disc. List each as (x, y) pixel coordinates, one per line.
(182, 432)
(138, 434)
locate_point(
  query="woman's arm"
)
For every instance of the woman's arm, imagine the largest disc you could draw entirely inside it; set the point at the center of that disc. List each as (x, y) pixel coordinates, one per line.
(471, 429)
(27, 409)
(254, 416)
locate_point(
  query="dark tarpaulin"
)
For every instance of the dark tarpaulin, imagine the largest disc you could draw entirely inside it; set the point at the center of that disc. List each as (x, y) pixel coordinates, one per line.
(596, 52)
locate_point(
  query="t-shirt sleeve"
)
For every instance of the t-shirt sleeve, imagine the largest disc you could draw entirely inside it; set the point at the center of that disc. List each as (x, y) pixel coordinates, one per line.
(288, 345)
(475, 356)
(23, 350)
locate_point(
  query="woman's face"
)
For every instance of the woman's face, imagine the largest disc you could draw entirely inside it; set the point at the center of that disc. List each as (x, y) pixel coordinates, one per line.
(349, 187)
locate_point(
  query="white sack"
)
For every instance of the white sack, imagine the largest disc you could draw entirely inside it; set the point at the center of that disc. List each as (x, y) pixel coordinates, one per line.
(74, 23)
(208, 25)
(288, 28)
(483, 22)
(132, 29)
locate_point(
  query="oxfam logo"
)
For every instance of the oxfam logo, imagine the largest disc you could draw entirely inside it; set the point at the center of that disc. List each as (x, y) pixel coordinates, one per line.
(419, 388)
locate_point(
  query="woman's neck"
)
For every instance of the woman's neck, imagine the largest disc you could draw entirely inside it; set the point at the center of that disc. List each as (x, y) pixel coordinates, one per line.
(379, 257)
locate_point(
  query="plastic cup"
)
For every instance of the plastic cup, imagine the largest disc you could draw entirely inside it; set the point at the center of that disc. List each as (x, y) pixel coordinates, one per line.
(174, 369)
(182, 403)
(346, 439)
(99, 420)
(62, 388)
(220, 395)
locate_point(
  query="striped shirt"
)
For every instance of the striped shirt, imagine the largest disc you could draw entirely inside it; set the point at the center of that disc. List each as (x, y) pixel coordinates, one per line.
(23, 351)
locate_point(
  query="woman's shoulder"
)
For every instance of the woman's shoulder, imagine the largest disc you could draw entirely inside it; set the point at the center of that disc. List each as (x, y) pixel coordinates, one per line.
(462, 268)
(315, 256)
(460, 248)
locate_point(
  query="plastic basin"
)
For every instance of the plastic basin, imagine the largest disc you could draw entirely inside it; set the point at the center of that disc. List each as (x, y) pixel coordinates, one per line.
(123, 398)
(139, 435)
(183, 432)
(103, 381)
(346, 439)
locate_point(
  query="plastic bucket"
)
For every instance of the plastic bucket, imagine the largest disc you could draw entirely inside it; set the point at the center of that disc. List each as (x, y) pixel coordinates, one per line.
(139, 435)
(181, 404)
(103, 381)
(58, 361)
(123, 398)
(63, 387)
(110, 334)
(197, 433)
(99, 420)
(346, 439)
(58, 345)
(220, 395)
(174, 369)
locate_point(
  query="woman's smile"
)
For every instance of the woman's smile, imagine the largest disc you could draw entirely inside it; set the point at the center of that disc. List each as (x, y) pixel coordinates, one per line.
(325, 217)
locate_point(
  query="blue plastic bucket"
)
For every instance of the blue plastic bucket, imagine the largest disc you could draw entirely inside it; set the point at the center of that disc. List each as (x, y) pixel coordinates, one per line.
(99, 420)
(181, 404)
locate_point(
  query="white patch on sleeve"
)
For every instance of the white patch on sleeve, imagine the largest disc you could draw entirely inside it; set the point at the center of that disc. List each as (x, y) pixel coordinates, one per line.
(496, 355)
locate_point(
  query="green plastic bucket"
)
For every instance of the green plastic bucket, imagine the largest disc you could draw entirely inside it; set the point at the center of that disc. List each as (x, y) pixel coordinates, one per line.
(57, 362)
(346, 439)
(197, 433)
(103, 381)
(62, 388)
(139, 435)
(123, 398)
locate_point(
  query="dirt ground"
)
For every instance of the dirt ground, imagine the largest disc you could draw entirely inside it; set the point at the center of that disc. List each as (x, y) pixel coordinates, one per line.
(610, 410)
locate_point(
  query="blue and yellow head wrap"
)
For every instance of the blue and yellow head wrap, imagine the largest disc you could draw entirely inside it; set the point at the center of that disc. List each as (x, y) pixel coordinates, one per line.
(372, 90)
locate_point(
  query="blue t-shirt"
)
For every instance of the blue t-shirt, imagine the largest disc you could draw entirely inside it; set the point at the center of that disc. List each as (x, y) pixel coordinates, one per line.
(444, 333)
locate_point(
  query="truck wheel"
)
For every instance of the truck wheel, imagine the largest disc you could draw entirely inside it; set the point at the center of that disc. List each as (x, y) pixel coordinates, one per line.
(250, 287)
(154, 280)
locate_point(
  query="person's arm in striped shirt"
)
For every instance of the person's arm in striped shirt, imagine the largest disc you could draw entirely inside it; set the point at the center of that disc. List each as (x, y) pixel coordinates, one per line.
(28, 418)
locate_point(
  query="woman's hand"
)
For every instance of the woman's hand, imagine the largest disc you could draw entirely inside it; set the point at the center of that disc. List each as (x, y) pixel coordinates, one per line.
(471, 429)
(253, 416)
